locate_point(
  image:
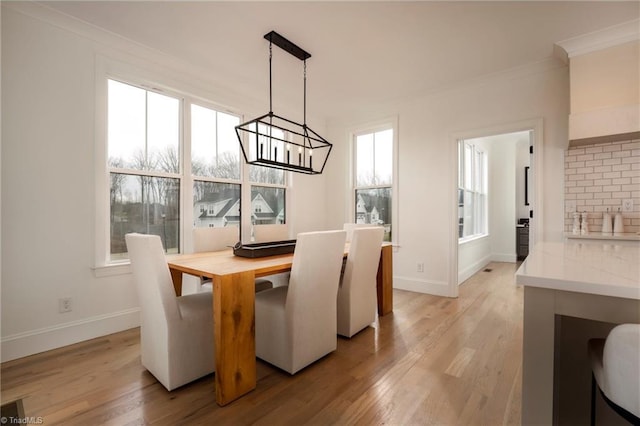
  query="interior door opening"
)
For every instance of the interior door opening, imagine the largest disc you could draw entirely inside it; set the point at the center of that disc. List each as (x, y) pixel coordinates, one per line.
(495, 200)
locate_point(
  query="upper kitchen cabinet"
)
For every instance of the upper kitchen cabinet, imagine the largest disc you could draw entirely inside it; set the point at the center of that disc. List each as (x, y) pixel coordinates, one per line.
(604, 72)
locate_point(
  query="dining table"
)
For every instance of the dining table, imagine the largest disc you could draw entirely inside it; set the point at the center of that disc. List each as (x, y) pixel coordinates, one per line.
(233, 279)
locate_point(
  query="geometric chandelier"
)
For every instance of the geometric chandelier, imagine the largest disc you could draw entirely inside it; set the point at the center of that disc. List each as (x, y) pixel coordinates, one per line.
(280, 143)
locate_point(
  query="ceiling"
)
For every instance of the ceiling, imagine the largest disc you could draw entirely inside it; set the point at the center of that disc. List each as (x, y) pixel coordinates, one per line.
(363, 53)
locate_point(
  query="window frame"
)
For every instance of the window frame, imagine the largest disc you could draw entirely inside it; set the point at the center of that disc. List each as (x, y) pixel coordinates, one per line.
(467, 183)
(389, 123)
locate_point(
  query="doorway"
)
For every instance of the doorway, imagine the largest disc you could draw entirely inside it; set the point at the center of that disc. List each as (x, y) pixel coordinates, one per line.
(494, 207)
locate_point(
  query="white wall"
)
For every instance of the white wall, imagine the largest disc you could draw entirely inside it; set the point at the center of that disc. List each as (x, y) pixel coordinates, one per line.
(427, 126)
(48, 189)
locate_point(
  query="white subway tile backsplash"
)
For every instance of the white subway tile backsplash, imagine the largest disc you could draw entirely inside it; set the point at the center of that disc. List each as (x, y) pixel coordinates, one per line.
(585, 157)
(621, 195)
(611, 175)
(611, 161)
(631, 145)
(593, 176)
(621, 167)
(602, 169)
(621, 154)
(602, 195)
(597, 179)
(621, 181)
(584, 196)
(601, 156)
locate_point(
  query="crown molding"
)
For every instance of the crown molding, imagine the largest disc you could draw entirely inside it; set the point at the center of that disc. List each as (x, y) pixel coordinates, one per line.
(602, 39)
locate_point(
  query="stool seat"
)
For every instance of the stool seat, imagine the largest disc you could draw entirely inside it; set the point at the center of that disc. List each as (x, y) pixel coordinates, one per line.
(615, 364)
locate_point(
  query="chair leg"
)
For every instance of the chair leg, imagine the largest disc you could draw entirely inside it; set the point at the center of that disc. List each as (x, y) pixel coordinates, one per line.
(593, 400)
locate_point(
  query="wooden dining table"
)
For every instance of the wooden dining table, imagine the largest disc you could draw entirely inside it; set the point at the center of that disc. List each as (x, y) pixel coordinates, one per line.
(233, 280)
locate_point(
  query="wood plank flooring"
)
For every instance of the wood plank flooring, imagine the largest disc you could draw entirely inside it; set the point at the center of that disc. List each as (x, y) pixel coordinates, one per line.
(433, 361)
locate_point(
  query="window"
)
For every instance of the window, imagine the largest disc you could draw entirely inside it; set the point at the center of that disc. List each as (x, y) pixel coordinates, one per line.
(143, 139)
(174, 164)
(373, 178)
(215, 167)
(472, 191)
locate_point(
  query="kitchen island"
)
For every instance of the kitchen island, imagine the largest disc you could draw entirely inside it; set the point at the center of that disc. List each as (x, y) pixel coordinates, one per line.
(587, 280)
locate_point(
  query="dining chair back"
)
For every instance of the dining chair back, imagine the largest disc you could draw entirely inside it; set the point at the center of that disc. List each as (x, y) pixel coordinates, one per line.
(270, 232)
(296, 324)
(176, 333)
(220, 238)
(357, 294)
(349, 227)
(214, 239)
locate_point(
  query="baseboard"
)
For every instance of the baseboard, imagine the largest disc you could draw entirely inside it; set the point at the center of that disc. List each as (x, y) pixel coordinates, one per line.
(436, 288)
(469, 271)
(44, 339)
(502, 257)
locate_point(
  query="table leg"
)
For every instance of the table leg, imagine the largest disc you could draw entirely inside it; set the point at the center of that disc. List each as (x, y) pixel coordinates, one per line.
(176, 277)
(385, 281)
(234, 329)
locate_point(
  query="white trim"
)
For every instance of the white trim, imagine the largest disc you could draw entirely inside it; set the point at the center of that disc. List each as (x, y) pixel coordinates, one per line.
(32, 342)
(436, 288)
(504, 257)
(371, 127)
(470, 270)
(602, 39)
(123, 268)
(471, 238)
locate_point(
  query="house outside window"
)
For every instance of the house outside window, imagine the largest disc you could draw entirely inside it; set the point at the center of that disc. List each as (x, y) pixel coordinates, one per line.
(472, 191)
(374, 154)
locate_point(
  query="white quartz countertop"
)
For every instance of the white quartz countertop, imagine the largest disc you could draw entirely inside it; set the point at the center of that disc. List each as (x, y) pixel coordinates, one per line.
(624, 236)
(594, 267)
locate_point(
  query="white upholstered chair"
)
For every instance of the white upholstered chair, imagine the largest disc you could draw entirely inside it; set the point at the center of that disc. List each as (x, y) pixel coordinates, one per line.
(220, 238)
(214, 239)
(615, 363)
(176, 333)
(296, 324)
(270, 232)
(349, 227)
(357, 294)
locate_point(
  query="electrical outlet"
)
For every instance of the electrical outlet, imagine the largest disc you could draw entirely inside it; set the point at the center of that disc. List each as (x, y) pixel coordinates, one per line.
(570, 206)
(420, 267)
(64, 305)
(627, 205)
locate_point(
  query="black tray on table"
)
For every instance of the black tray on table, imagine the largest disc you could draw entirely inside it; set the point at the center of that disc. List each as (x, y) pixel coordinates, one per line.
(271, 248)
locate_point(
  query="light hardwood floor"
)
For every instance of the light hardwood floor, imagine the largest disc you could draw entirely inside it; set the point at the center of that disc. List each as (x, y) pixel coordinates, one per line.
(434, 360)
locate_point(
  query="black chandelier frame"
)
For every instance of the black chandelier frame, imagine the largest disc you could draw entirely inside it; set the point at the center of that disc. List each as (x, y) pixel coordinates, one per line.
(264, 150)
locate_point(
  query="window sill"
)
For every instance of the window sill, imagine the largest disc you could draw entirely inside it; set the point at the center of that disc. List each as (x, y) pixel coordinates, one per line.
(462, 241)
(112, 270)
